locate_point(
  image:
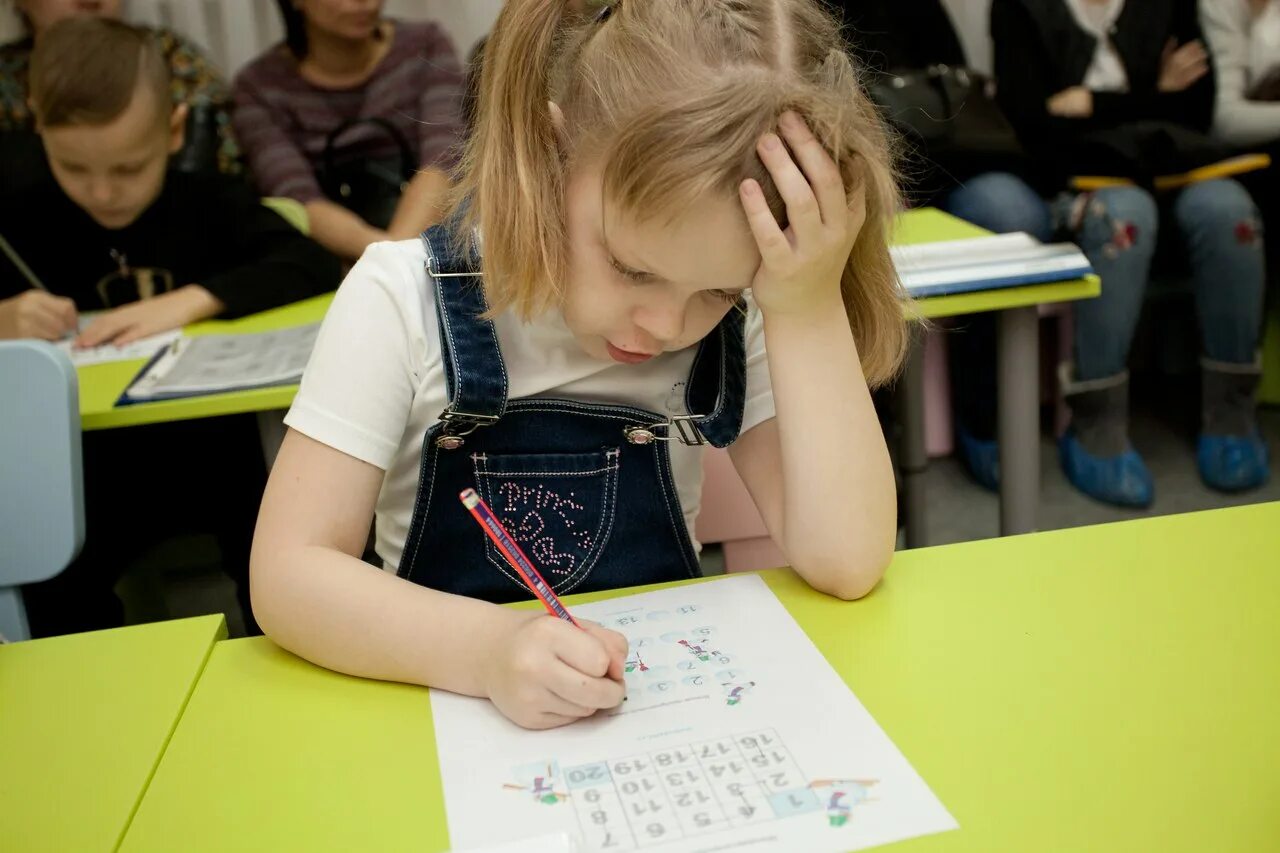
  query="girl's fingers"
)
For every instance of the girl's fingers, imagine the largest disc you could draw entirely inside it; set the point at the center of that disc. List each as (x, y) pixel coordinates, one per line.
(772, 243)
(552, 721)
(585, 692)
(802, 205)
(555, 704)
(820, 171)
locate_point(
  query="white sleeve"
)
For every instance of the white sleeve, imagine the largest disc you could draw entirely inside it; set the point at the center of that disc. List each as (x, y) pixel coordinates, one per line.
(759, 407)
(358, 387)
(1237, 120)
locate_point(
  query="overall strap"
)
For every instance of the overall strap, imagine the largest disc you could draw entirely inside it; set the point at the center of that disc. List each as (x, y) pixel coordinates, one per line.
(717, 389)
(715, 394)
(475, 373)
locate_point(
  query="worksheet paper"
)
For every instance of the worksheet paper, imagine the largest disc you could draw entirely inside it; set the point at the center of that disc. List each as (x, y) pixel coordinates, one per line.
(736, 734)
(207, 364)
(107, 353)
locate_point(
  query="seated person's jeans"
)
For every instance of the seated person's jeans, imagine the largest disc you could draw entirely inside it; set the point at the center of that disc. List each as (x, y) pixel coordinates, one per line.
(1117, 227)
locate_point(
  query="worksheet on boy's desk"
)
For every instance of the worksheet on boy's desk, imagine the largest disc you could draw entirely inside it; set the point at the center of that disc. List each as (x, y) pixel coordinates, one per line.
(735, 734)
(107, 353)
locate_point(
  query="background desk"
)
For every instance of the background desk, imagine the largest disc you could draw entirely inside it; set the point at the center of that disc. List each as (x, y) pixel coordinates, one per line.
(102, 384)
(1018, 381)
(83, 721)
(1105, 688)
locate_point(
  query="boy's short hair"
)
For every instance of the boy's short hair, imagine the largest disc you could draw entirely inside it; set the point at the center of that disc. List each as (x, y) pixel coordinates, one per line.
(84, 71)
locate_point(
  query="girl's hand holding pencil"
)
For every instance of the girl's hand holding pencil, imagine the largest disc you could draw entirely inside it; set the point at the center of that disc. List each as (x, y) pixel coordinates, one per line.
(549, 670)
(546, 672)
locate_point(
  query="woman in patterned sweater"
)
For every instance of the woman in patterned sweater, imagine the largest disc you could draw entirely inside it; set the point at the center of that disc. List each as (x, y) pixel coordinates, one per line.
(353, 99)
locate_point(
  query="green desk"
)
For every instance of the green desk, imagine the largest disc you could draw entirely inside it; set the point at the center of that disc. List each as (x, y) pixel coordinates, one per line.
(1105, 688)
(84, 720)
(1018, 379)
(102, 384)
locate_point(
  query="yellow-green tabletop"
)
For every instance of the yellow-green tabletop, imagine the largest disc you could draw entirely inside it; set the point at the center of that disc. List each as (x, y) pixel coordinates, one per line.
(102, 384)
(83, 721)
(929, 225)
(1108, 688)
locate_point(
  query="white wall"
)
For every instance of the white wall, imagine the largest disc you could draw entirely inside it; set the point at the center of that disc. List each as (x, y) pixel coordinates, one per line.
(235, 31)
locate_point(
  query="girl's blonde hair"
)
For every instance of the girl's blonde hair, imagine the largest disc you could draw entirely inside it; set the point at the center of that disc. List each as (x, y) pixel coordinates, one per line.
(670, 96)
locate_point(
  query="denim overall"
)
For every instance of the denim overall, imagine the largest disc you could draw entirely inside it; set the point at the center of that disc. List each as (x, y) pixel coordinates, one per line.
(585, 489)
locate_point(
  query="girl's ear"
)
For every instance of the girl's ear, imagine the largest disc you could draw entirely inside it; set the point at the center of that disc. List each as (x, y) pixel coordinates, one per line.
(557, 121)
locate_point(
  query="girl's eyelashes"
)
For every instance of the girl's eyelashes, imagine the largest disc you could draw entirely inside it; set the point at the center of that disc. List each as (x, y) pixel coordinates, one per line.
(626, 272)
(730, 296)
(640, 277)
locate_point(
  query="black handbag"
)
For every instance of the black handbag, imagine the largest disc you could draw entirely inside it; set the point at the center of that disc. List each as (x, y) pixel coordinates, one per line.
(368, 187)
(950, 121)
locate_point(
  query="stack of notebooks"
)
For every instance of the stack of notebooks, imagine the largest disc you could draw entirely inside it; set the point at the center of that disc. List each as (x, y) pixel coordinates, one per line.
(985, 263)
(214, 364)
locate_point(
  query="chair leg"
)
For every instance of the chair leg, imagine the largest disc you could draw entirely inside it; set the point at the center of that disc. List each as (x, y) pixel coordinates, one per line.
(13, 615)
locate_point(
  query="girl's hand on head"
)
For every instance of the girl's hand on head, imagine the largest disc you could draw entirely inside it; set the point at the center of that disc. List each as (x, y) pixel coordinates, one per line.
(800, 268)
(36, 314)
(136, 320)
(547, 673)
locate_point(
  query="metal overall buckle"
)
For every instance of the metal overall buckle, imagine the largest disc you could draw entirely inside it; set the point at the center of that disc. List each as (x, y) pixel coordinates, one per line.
(458, 424)
(686, 428)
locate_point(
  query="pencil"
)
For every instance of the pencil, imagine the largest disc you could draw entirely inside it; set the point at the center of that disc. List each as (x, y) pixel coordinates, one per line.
(511, 551)
(21, 265)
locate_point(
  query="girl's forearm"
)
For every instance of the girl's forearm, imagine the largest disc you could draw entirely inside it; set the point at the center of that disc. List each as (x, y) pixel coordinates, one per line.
(839, 516)
(339, 612)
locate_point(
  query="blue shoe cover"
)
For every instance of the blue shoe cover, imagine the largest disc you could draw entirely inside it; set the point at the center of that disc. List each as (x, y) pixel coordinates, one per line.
(1121, 480)
(1232, 463)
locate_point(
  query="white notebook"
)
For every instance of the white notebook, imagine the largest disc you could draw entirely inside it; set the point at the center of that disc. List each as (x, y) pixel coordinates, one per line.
(985, 263)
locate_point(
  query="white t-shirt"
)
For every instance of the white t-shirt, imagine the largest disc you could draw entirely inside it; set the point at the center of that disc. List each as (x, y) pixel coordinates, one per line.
(1106, 71)
(375, 381)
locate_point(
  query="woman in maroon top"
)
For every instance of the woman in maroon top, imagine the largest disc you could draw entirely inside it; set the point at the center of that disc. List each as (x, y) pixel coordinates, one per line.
(382, 95)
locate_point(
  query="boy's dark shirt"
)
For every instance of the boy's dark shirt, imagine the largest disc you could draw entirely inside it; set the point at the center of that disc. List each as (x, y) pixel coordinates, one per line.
(203, 229)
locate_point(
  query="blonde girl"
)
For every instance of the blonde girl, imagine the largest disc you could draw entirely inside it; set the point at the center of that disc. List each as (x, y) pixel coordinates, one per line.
(670, 231)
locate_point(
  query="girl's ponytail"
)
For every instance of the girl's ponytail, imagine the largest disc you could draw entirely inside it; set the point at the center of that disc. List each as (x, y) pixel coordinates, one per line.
(511, 181)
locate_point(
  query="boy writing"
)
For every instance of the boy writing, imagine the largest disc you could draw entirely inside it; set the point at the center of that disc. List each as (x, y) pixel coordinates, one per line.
(156, 249)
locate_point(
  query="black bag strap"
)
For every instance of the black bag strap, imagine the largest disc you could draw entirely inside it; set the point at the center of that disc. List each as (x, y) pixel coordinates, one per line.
(408, 162)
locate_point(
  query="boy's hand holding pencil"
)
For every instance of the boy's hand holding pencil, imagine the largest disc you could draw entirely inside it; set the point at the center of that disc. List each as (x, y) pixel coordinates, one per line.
(37, 314)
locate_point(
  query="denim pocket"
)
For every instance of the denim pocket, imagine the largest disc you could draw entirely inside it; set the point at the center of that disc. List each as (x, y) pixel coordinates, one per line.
(559, 507)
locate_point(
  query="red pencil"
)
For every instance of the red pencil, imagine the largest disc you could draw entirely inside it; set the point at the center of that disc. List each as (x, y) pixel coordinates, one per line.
(511, 551)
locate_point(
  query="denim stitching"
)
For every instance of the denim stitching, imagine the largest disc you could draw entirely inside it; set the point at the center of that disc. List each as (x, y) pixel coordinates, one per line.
(663, 460)
(427, 450)
(489, 549)
(550, 473)
(442, 313)
(611, 501)
(502, 363)
(607, 515)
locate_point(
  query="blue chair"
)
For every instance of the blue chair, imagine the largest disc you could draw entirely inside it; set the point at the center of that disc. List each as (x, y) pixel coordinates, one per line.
(41, 480)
